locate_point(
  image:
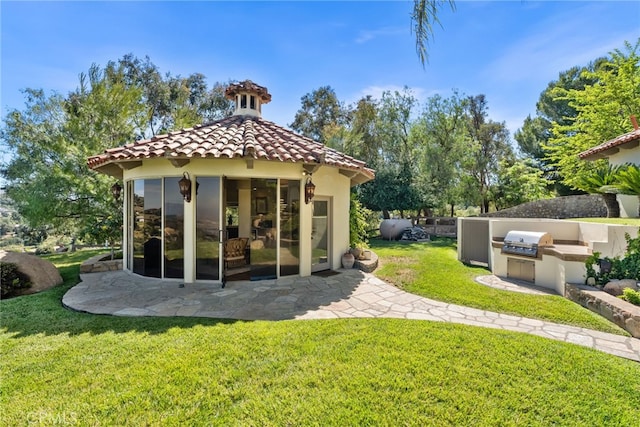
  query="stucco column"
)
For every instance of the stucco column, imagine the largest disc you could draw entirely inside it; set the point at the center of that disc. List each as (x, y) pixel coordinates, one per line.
(306, 213)
(190, 238)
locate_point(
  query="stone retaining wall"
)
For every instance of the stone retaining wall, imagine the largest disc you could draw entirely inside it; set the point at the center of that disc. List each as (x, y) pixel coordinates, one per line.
(620, 312)
(583, 206)
(96, 265)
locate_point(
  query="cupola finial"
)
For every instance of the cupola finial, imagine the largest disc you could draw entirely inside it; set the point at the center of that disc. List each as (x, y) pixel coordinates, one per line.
(248, 97)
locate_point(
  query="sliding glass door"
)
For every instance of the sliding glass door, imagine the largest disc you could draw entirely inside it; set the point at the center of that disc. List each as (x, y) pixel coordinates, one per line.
(208, 228)
(264, 223)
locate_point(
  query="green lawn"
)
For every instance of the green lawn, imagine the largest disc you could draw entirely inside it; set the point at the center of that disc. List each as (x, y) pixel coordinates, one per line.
(433, 270)
(60, 367)
(618, 221)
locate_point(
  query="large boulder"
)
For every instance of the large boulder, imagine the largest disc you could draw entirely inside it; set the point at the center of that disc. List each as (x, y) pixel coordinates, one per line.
(42, 273)
(392, 229)
(616, 287)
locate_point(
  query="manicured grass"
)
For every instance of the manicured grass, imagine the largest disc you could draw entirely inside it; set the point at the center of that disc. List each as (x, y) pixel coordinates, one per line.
(59, 367)
(618, 221)
(433, 270)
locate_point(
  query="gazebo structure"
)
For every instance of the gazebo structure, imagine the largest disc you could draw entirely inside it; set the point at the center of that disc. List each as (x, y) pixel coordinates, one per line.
(239, 197)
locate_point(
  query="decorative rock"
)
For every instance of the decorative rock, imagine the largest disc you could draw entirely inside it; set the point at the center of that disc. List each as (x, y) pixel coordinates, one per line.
(616, 287)
(96, 264)
(367, 265)
(632, 325)
(42, 273)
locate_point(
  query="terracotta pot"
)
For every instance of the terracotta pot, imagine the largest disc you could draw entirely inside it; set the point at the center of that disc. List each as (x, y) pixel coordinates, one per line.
(348, 260)
(356, 252)
(366, 254)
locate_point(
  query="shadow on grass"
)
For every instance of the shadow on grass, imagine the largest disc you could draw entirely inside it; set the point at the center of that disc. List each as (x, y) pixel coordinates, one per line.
(43, 313)
(440, 242)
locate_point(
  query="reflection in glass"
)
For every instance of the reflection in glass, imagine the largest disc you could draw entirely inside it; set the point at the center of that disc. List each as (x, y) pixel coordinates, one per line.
(173, 230)
(320, 236)
(264, 228)
(208, 229)
(147, 239)
(289, 227)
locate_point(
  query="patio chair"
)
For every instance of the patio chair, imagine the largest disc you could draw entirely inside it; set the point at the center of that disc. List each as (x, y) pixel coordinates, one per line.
(234, 252)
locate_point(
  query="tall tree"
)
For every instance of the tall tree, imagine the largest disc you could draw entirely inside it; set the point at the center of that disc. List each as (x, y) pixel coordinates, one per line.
(363, 125)
(519, 181)
(536, 131)
(319, 110)
(52, 137)
(171, 101)
(603, 109)
(488, 144)
(395, 119)
(438, 136)
(47, 177)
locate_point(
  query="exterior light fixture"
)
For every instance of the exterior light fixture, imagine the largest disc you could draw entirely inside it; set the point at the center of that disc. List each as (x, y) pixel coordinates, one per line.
(185, 187)
(309, 191)
(605, 266)
(116, 190)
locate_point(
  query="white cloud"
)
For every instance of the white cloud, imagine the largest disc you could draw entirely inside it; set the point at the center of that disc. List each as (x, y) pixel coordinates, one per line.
(367, 35)
(555, 45)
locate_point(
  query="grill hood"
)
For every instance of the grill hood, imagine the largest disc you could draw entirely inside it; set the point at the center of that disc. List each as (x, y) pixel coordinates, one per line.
(528, 238)
(525, 243)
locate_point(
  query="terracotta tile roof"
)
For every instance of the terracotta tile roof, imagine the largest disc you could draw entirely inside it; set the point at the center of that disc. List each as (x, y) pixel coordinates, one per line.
(600, 150)
(237, 136)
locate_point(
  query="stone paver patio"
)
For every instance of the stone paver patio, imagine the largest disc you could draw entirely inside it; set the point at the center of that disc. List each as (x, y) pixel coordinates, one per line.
(351, 293)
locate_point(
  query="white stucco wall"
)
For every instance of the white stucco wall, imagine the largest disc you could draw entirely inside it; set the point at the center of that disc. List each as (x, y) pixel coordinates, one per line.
(328, 180)
(628, 204)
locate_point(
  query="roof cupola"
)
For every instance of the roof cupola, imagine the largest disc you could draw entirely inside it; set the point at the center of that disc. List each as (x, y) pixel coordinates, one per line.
(248, 98)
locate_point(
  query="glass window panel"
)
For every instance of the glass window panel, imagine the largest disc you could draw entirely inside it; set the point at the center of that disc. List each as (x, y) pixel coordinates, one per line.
(264, 228)
(289, 227)
(152, 227)
(173, 229)
(320, 235)
(147, 237)
(208, 229)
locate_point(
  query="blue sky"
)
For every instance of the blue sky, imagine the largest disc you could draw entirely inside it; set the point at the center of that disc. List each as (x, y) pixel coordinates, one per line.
(507, 50)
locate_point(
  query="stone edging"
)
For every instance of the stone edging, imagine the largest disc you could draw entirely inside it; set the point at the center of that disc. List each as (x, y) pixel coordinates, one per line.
(620, 312)
(367, 265)
(95, 265)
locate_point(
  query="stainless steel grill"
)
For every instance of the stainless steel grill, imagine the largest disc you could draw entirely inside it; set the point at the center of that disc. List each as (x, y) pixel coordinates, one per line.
(525, 243)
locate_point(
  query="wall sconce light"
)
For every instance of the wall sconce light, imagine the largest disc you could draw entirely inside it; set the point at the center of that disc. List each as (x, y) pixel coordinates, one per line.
(605, 266)
(116, 190)
(309, 191)
(185, 187)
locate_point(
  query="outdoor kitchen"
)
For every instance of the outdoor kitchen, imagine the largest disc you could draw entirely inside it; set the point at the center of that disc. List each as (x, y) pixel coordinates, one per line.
(543, 252)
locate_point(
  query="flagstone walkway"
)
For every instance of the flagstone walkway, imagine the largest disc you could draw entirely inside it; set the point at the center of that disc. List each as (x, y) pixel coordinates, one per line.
(349, 294)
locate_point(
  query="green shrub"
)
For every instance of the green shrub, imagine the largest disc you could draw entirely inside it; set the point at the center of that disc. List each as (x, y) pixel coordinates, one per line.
(11, 279)
(45, 249)
(10, 241)
(631, 296)
(627, 267)
(357, 223)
